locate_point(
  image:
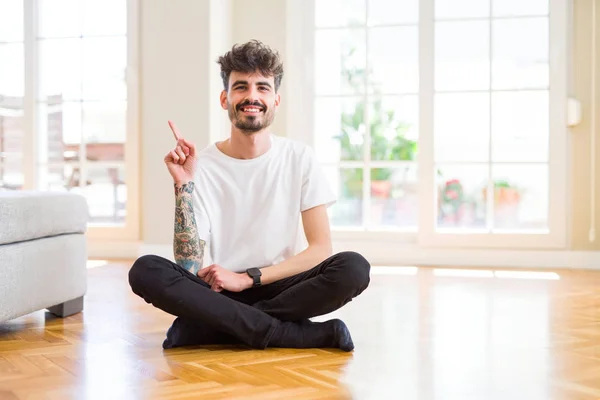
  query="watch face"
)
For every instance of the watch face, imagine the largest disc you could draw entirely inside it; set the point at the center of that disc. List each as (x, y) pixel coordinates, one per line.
(254, 272)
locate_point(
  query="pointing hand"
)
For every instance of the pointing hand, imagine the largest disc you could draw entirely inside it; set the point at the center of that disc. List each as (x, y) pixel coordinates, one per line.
(181, 161)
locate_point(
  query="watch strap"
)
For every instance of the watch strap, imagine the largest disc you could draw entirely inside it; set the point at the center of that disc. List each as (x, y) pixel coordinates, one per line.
(255, 274)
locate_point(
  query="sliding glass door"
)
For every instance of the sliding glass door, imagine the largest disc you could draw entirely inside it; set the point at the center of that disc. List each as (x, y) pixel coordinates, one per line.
(443, 121)
(68, 106)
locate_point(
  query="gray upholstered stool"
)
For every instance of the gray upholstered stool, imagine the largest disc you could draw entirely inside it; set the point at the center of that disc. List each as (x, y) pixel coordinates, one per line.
(43, 253)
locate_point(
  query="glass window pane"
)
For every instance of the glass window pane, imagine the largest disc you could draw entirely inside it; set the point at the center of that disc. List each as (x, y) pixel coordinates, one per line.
(60, 125)
(106, 194)
(394, 197)
(460, 196)
(60, 69)
(394, 128)
(347, 186)
(461, 127)
(520, 58)
(104, 17)
(446, 9)
(59, 178)
(104, 127)
(339, 129)
(104, 66)
(11, 21)
(59, 18)
(394, 60)
(336, 13)
(11, 127)
(12, 70)
(521, 196)
(340, 62)
(11, 172)
(462, 55)
(520, 126)
(387, 12)
(506, 8)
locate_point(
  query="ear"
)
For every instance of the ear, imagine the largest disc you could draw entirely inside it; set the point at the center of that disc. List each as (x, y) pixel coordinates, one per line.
(224, 100)
(277, 100)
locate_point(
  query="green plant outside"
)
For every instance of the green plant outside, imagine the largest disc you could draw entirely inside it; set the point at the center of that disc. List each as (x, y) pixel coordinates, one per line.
(384, 145)
(388, 138)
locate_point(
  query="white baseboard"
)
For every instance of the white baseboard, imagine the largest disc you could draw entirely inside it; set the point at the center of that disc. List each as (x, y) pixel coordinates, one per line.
(381, 253)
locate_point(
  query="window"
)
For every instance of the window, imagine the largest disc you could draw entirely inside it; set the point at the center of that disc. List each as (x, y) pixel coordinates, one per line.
(12, 88)
(367, 110)
(443, 118)
(66, 111)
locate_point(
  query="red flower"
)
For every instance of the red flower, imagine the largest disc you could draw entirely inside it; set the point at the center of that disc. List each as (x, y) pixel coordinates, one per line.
(452, 194)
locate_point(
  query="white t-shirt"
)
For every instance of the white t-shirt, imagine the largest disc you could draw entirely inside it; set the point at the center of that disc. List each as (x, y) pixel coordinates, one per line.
(249, 211)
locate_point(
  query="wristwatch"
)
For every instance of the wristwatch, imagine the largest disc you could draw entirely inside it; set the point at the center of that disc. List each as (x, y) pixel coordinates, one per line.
(255, 274)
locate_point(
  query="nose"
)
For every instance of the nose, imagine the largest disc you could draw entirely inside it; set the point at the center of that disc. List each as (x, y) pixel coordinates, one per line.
(253, 94)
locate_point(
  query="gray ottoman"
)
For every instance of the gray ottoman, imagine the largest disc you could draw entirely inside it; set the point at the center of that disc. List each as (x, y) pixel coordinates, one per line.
(43, 253)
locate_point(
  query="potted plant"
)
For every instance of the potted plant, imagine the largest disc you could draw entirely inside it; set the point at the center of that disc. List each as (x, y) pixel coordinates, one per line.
(505, 194)
(451, 197)
(388, 143)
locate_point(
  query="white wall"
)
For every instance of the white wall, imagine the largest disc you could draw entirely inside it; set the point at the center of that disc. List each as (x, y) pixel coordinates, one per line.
(180, 41)
(264, 20)
(178, 83)
(220, 42)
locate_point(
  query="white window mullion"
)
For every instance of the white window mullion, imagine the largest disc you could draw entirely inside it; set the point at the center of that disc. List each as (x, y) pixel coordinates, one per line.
(490, 206)
(373, 164)
(131, 142)
(97, 164)
(30, 95)
(83, 164)
(367, 143)
(426, 162)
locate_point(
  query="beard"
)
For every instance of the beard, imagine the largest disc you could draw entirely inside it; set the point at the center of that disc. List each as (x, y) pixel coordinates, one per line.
(250, 124)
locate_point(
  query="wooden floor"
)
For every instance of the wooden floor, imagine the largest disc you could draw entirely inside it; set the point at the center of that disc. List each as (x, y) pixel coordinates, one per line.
(419, 334)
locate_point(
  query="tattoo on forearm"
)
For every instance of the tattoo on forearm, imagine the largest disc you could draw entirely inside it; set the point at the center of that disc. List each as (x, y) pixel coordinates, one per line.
(187, 246)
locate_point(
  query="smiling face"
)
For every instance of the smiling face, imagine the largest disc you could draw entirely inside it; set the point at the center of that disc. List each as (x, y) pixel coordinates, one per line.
(250, 101)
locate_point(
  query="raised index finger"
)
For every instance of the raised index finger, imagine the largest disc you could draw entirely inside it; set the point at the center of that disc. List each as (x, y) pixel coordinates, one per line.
(175, 130)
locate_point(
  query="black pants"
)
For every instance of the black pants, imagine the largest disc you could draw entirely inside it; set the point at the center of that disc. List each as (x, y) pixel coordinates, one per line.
(251, 316)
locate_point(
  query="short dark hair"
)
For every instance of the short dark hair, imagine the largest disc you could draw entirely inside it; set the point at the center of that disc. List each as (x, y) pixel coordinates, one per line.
(251, 57)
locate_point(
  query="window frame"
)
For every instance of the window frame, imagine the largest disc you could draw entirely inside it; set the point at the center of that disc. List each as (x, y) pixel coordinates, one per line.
(300, 126)
(130, 229)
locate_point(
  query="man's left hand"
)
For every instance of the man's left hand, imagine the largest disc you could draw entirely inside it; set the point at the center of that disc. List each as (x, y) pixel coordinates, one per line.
(220, 279)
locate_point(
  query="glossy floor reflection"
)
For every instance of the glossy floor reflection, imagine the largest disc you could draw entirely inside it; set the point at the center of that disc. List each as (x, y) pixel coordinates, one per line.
(477, 334)
(420, 333)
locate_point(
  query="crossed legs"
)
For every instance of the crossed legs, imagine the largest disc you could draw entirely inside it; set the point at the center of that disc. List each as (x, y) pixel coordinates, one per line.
(273, 315)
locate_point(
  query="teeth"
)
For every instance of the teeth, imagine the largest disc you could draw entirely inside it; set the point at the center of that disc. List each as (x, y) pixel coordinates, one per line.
(248, 109)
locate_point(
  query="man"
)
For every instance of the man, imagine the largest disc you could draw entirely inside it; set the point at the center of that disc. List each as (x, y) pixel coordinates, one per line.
(241, 200)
